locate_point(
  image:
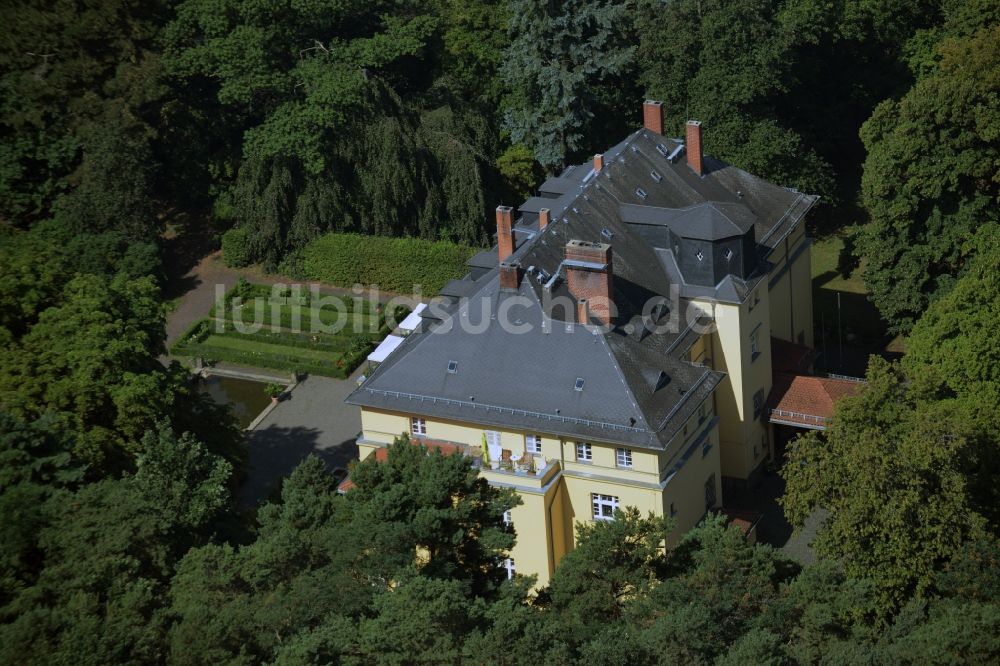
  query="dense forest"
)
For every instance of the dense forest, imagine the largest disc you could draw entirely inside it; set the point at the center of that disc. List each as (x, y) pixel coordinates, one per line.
(274, 122)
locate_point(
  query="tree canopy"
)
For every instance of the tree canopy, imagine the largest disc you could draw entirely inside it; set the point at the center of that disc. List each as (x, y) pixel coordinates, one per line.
(931, 176)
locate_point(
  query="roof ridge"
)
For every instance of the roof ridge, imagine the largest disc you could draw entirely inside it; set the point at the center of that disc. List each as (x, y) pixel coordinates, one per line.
(628, 387)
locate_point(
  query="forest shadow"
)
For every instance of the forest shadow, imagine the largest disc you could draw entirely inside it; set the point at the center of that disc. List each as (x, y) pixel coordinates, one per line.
(189, 238)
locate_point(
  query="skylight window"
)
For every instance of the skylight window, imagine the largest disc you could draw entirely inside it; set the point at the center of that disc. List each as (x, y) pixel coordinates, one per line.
(661, 149)
(579, 384)
(728, 254)
(700, 255)
(452, 367)
(655, 176)
(641, 193)
(607, 233)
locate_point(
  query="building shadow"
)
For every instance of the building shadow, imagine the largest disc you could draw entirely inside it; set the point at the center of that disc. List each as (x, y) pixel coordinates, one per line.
(276, 451)
(773, 528)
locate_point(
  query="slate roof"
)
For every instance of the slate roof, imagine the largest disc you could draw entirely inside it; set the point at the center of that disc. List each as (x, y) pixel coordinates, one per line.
(638, 389)
(706, 221)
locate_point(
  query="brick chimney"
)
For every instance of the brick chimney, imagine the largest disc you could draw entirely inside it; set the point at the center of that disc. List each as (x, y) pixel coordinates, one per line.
(589, 279)
(510, 276)
(544, 217)
(598, 161)
(695, 153)
(505, 231)
(652, 116)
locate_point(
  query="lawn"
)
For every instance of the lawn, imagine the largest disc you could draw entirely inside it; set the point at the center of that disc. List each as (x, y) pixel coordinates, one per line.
(840, 298)
(826, 261)
(283, 315)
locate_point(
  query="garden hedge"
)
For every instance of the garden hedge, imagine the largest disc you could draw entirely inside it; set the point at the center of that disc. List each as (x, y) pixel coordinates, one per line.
(394, 264)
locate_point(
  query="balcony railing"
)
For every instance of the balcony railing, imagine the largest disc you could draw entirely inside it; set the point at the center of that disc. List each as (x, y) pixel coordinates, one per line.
(791, 416)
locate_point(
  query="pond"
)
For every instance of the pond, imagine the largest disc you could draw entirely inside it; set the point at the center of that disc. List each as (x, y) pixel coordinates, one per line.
(245, 398)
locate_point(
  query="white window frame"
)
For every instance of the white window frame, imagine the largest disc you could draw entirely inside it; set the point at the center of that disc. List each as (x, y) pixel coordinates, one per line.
(603, 507)
(623, 458)
(508, 566)
(533, 443)
(584, 452)
(507, 518)
(418, 425)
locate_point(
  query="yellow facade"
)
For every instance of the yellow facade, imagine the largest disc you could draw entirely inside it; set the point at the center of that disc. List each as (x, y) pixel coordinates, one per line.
(559, 497)
(779, 305)
(790, 284)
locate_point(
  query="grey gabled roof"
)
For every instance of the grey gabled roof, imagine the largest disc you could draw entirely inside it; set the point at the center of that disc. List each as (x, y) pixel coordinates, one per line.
(638, 387)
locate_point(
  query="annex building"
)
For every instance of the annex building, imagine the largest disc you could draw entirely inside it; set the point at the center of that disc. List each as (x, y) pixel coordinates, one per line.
(615, 348)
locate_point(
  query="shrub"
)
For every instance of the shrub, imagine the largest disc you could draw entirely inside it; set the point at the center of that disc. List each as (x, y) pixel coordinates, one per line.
(198, 331)
(394, 264)
(236, 249)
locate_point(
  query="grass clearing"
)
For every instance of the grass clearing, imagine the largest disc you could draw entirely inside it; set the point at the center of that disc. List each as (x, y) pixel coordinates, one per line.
(841, 308)
(827, 260)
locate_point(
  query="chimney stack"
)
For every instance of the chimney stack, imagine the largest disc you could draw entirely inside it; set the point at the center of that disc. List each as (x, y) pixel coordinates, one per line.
(598, 161)
(505, 231)
(510, 276)
(589, 279)
(652, 116)
(695, 153)
(543, 218)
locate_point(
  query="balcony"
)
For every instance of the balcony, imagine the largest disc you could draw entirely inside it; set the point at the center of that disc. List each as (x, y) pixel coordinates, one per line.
(520, 474)
(516, 468)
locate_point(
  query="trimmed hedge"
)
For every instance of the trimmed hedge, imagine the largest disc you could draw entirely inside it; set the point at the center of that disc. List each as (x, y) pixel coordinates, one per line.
(248, 292)
(394, 264)
(341, 367)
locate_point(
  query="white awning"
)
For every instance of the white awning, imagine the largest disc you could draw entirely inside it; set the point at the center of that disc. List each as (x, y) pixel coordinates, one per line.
(385, 348)
(412, 320)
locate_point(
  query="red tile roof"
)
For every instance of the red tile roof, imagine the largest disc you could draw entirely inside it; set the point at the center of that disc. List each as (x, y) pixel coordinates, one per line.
(382, 454)
(807, 401)
(744, 519)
